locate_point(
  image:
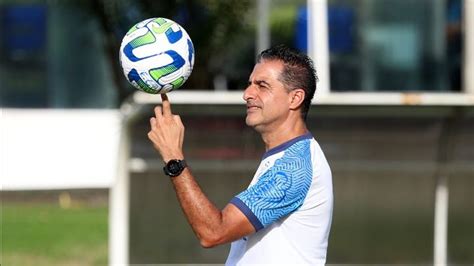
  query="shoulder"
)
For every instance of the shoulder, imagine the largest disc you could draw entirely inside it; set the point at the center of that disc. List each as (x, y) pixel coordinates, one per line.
(296, 157)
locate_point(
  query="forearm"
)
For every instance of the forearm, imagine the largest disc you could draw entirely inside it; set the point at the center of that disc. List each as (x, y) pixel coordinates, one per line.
(210, 225)
(204, 217)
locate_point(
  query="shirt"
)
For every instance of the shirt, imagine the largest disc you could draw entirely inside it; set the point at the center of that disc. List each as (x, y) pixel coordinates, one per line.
(290, 204)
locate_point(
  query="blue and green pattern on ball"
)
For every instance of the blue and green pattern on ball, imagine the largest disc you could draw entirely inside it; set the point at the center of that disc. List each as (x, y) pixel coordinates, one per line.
(164, 26)
(153, 31)
(133, 76)
(158, 73)
(145, 39)
(178, 62)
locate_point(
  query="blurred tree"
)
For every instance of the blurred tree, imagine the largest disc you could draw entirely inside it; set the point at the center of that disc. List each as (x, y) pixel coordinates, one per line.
(213, 26)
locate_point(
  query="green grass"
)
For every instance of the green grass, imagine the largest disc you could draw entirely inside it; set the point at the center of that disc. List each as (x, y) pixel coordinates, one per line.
(45, 234)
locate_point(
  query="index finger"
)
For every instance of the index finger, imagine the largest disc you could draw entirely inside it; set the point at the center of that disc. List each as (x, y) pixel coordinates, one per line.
(166, 105)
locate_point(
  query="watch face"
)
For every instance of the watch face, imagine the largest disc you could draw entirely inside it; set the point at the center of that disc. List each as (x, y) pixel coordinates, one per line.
(174, 167)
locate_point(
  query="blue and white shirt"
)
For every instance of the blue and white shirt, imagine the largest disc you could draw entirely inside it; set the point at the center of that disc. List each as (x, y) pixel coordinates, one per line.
(290, 203)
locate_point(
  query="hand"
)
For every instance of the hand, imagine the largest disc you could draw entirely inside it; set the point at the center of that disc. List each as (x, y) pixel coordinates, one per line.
(167, 131)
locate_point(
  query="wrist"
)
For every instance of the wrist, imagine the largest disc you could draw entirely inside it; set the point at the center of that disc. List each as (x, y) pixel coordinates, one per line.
(174, 167)
(173, 156)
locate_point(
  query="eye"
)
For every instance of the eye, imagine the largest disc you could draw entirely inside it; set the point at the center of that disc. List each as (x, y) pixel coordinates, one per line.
(263, 85)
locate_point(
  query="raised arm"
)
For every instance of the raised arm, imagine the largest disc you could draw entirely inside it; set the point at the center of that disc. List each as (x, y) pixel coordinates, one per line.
(211, 225)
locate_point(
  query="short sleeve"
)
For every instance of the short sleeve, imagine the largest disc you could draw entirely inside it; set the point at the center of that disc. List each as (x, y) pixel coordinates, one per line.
(279, 191)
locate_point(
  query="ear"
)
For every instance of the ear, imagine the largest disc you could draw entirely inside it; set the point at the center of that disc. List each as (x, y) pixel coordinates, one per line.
(296, 98)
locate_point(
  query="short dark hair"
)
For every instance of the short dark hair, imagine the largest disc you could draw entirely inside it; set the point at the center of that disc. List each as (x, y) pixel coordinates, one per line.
(298, 72)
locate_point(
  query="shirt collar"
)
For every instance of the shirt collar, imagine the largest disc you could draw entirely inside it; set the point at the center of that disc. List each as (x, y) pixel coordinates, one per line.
(287, 144)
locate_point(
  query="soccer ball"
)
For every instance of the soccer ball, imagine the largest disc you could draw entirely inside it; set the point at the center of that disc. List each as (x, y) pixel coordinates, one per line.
(157, 55)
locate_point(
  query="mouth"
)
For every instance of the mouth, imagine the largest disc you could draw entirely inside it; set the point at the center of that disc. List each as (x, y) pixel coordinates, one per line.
(251, 108)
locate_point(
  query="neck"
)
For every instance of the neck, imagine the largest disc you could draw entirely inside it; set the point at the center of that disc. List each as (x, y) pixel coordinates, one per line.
(282, 134)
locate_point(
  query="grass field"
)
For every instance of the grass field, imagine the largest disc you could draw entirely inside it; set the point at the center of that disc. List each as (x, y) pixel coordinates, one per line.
(46, 234)
(396, 228)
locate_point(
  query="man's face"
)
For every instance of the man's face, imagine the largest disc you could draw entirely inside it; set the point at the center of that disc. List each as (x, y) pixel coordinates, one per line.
(267, 99)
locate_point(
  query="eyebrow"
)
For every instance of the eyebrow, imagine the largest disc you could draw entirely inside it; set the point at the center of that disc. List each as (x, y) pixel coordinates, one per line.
(260, 82)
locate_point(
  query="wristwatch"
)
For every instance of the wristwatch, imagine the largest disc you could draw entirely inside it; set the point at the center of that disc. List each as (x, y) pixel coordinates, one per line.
(174, 167)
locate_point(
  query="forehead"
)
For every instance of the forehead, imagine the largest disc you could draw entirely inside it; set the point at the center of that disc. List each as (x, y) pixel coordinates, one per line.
(267, 70)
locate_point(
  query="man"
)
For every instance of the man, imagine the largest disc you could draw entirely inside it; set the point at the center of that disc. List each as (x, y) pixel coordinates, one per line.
(284, 216)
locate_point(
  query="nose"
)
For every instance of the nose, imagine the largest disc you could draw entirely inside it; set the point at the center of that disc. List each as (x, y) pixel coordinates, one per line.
(249, 93)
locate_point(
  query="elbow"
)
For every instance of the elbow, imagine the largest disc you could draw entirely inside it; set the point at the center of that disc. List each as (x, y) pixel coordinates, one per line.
(209, 241)
(207, 244)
